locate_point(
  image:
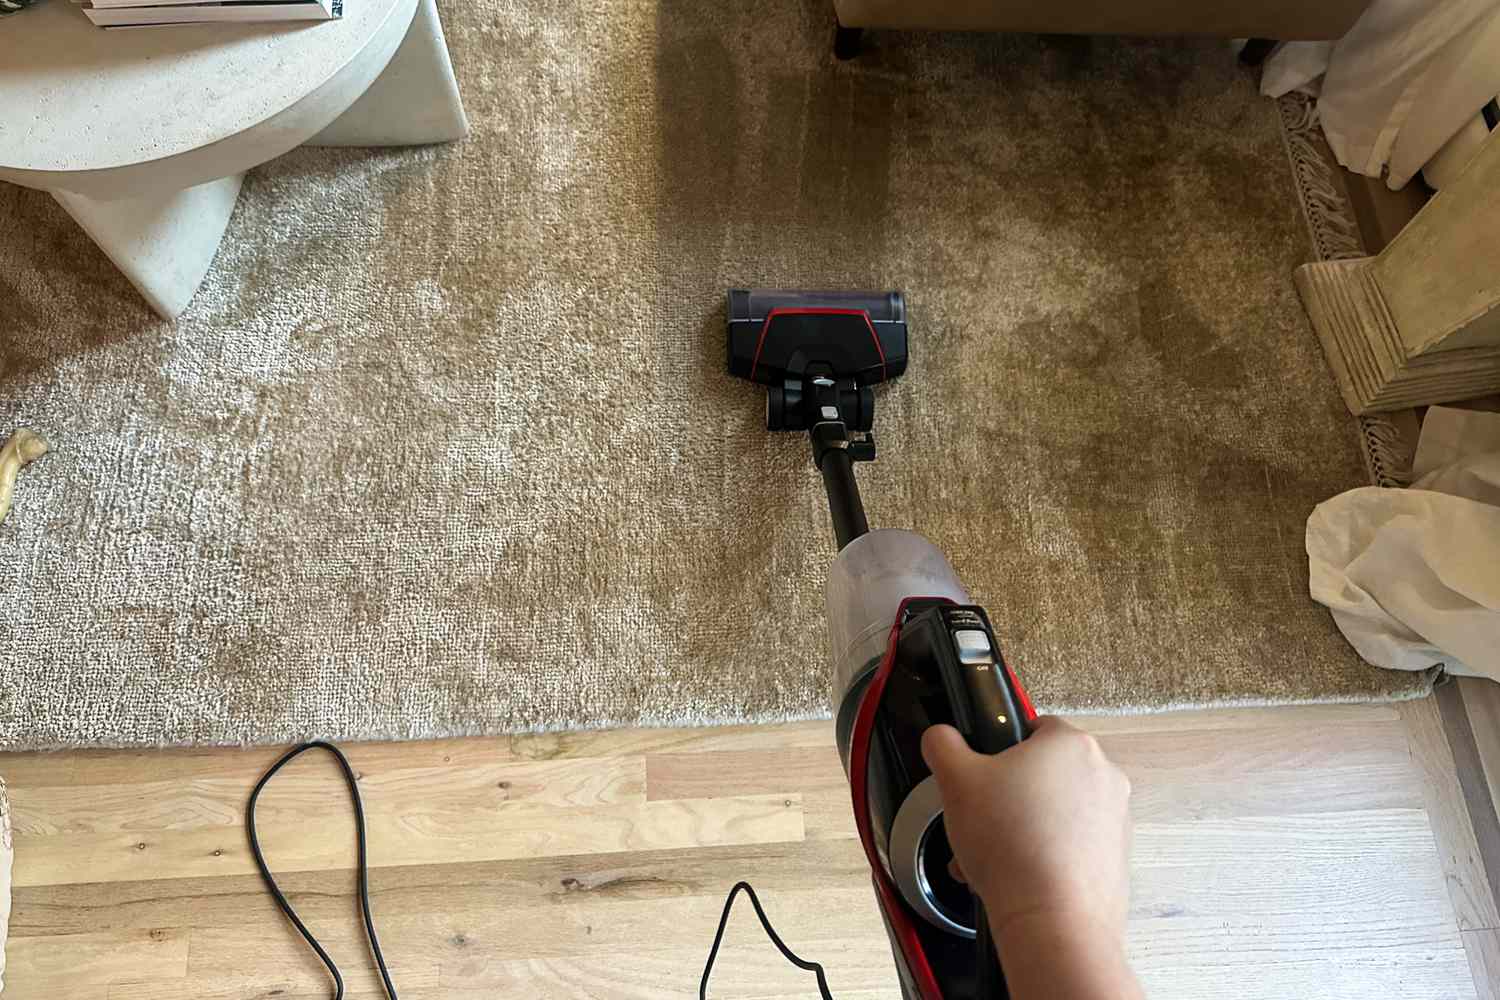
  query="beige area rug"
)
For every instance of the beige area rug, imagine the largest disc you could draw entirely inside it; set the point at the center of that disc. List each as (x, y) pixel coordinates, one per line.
(444, 444)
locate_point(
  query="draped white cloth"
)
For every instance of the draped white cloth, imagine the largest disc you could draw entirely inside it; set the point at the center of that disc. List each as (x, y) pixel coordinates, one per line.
(1405, 79)
(1413, 576)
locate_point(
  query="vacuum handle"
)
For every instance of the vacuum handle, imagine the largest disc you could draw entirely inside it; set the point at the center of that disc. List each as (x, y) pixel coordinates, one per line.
(997, 725)
(987, 709)
(992, 717)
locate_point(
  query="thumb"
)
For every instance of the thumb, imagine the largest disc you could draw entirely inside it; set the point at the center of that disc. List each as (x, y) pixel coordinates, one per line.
(948, 755)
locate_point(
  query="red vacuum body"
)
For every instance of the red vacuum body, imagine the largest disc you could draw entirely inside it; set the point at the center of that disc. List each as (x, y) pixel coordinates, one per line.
(910, 649)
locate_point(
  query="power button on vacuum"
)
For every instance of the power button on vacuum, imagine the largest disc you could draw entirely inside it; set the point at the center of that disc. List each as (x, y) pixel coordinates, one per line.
(973, 647)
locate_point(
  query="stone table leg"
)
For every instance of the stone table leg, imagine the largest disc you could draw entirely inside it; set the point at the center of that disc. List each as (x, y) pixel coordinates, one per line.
(414, 101)
(163, 243)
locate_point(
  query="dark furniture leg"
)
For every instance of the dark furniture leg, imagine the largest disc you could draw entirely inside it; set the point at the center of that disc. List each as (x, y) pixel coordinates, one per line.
(846, 42)
(1255, 51)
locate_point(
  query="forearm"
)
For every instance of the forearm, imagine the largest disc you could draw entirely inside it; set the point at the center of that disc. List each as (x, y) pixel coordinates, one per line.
(1063, 957)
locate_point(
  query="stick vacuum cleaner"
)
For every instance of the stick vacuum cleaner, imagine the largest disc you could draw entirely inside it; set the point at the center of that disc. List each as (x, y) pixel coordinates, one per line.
(910, 649)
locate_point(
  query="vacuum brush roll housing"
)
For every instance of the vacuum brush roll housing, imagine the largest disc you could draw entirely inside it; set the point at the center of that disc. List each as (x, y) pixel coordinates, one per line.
(815, 351)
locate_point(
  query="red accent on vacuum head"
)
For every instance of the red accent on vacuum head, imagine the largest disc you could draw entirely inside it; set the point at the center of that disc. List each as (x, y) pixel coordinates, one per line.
(773, 336)
(817, 311)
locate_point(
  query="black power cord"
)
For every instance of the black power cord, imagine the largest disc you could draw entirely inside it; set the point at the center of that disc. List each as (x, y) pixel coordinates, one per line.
(765, 922)
(364, 889)
(364, 870)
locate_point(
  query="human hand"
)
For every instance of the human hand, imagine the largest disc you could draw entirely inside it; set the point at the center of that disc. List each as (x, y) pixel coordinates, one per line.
(1041, 831)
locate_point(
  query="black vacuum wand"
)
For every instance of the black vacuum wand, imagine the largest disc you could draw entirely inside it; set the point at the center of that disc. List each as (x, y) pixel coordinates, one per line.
(843, 496)
(910, 649)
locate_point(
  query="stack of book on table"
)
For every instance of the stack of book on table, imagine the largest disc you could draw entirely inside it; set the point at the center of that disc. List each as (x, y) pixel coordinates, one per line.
(142, 13)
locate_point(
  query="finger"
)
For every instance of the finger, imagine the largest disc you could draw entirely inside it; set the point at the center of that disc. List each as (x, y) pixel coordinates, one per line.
(944, 749)
(956, 871)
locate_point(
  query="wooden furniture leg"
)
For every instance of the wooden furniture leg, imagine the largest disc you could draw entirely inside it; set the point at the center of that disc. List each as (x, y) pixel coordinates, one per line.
(1420, 323)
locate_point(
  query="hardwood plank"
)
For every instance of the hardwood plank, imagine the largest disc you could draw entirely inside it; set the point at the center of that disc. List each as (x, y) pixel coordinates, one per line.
(110, 767)
(1278, 853)
(741, 772)
(747, 971)
(266, 986)
(1221, 790)
(1382, 948)
(1483, 949)
(1304, 891)
(1399, 835)
(1453, 831)
(95, 958)
(521, 886)
(1231, 791)
(1274, 770)
(586, 928)
(1236, 720)
(1273, 746)
(828, 814)
(414, 836)
(219, 955)
(471, 946)
(1198, 773)
(1338, 975)
(195, 989)
(751, 968)
(1374, 956)
(744, 971)
(1184, 937)
(312, 785)
(61, 988)
(562, 906)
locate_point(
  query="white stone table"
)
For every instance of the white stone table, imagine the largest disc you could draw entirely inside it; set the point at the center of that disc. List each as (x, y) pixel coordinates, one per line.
(145, 135)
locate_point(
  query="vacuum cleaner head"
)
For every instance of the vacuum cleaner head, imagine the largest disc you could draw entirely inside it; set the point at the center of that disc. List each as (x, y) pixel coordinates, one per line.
(817, 353)
(777, 335)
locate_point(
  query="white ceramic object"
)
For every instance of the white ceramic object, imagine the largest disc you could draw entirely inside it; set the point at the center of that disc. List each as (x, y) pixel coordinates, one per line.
(143, 135)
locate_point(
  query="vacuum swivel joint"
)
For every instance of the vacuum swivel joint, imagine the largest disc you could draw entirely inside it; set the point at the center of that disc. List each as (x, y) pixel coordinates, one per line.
(800, 405)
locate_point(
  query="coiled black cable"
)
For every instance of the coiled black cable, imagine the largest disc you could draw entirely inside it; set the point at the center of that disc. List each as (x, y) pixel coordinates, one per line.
(364, 870)
(765, 922)
(364, 889)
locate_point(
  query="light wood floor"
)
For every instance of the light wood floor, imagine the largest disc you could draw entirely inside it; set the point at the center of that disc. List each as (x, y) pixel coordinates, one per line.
(1310, 852)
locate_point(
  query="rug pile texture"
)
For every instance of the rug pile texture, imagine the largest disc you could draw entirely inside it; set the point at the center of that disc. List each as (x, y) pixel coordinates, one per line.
(445, 445)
